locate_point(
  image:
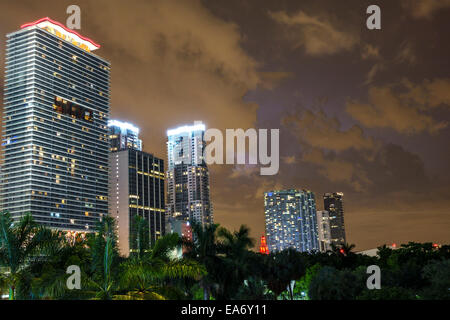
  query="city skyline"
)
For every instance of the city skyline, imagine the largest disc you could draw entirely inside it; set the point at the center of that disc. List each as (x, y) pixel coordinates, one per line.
(392, 171)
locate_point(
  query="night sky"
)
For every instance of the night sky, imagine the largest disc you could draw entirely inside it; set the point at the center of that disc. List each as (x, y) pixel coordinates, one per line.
(363, 112)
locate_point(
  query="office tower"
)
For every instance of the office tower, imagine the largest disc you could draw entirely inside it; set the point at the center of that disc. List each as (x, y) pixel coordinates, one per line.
(123, 135)
(291, 220)
(323, 225)
(56, 108)
(136, 189)
(333, 204)
(263, 248)
(188, 195)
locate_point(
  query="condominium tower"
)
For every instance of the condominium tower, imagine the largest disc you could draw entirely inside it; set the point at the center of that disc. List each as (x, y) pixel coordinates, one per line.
(333, 203)
(291, 220)
(56, 108)
(188, 196)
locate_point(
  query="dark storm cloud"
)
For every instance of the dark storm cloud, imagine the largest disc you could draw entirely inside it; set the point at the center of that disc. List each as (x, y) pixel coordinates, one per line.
(425, 8)
(406, 111)
(316, 34)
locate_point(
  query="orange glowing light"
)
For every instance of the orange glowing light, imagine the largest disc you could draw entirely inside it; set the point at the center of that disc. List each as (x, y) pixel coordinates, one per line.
(263, 247)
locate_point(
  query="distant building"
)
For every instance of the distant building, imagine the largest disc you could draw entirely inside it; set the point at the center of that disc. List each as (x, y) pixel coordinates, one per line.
(263, 248)
(374, 252)
(291, 220)
(188, 194)
(136, 189)
(333, 203)
(323, 224)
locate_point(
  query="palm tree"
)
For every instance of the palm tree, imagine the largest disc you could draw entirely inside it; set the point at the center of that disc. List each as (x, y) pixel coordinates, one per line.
(143, 277)
(140, 236)
(203, 249)
(20, 243)
(234, 264)
(49, 275)
(103, 247)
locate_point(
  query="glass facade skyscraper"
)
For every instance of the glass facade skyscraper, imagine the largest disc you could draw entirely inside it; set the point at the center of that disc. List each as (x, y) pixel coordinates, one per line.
(56, 108)
(188, 196)
(136, 188)
(291, 220)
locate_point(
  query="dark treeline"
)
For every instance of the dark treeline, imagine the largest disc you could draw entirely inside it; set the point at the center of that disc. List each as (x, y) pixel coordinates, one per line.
(217, 264)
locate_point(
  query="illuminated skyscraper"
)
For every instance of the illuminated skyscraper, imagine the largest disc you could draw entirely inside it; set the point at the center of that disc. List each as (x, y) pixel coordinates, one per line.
(291, 220)
(188, 196)
(56, 108)
(136, 189)
(185, 145)
(123, 135)
(334, 205)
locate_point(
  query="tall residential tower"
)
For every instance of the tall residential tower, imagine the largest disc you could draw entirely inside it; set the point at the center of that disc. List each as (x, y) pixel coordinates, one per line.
(333, 203)
(56, 108)
(188, 196)
(291, 220)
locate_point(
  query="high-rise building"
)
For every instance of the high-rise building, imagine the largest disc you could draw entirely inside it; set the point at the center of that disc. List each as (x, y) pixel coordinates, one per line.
(188, 196)
(56, 108)
(136, 189)
(185, 145)
(123, 135)
(291, 220)
(334, 205)
(323, 225)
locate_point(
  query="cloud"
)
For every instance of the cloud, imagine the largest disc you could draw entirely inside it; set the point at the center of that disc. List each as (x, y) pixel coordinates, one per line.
(428, 94)
(370, 52)
(270, 80)
(390, 172)
(289, 159)
(406, 54)
(403, 112)
(337, 170)
(316, 34)
(374, 70)
(240, 171)
(425, 8)
(171, 67)
(318, 130)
